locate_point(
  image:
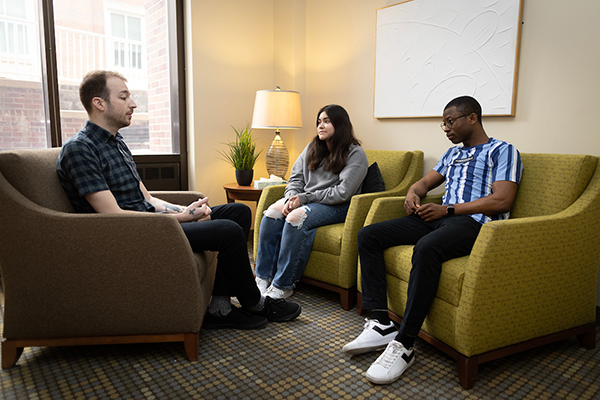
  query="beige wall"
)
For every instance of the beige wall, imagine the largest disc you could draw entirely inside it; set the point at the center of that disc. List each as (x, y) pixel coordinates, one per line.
(229, 56)
(326, 49)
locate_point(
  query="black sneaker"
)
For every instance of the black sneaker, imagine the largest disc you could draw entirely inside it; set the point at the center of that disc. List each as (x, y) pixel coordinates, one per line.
(236, 319)
(278, 310)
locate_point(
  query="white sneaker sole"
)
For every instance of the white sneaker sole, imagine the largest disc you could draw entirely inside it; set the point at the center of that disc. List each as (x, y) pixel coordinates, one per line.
(361, 350)
(378, 381)
(387, 336)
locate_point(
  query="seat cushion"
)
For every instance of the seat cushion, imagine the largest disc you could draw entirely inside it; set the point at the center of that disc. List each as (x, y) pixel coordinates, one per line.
(398, 263)
(329, 239)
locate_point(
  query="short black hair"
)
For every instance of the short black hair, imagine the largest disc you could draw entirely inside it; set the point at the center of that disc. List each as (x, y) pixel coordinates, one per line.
(466, 105)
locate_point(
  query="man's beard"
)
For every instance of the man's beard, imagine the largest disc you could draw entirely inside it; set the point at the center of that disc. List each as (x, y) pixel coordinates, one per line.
(117, 120)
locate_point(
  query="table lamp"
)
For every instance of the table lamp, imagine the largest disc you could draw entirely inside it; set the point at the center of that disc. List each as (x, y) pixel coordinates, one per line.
(277, 109)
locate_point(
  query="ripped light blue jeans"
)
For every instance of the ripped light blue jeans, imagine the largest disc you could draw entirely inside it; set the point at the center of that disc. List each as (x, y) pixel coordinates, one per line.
(284, 243)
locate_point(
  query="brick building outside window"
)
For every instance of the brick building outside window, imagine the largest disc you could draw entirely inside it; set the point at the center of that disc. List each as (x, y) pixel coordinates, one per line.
(129, 36)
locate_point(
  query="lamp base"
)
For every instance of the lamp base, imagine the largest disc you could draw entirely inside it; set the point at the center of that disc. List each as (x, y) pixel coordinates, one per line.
(277, 158)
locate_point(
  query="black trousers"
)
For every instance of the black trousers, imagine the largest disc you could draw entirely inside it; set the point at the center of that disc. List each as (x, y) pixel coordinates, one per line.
(435, 242)
(227, 232)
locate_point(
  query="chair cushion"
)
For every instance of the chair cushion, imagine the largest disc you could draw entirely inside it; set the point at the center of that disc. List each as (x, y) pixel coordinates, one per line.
(329, 239)
(398, 263)
(373, 182)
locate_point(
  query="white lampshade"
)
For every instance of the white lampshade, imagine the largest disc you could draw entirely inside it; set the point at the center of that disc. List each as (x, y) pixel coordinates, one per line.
(277, 109)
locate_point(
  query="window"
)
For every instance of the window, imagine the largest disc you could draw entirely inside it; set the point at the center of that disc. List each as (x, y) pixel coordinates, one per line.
(21, 100)
(39, 79)
(126, 41)
(14, 28)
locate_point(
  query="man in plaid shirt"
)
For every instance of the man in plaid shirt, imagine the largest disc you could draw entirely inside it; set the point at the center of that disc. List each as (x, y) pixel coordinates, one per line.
(99, 175)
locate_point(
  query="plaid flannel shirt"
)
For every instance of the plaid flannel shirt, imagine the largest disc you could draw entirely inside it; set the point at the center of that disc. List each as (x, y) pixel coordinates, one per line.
(94, 160)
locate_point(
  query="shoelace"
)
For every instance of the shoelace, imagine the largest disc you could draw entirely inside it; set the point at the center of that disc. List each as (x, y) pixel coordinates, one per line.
(390, 355)
(368, 324)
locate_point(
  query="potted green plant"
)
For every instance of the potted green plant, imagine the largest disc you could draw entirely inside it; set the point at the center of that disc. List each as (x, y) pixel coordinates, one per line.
(242, 155)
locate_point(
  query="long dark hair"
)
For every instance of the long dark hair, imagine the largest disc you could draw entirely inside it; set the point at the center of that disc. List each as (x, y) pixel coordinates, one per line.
(333, 154)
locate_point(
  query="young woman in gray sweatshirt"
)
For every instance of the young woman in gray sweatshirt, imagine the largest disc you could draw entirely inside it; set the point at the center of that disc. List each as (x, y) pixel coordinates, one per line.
(325, 176)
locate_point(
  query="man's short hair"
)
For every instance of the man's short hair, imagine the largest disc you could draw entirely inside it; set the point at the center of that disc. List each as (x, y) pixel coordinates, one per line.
(94, 85)
(466, 105)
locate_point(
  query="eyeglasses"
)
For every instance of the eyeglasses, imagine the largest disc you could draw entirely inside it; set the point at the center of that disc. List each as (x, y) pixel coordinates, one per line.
(451, 121)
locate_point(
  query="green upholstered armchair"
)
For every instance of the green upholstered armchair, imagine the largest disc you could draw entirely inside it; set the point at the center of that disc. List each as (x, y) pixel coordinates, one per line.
(334, 257)
(529, 280)
(83, 279)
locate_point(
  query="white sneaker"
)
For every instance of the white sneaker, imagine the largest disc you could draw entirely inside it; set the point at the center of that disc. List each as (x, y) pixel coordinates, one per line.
(391, 364)
(263, 285)
(276, 293)
(374, 336)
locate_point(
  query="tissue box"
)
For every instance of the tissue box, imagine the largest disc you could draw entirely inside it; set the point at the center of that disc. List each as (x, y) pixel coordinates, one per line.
(270, 181)
(264, 184)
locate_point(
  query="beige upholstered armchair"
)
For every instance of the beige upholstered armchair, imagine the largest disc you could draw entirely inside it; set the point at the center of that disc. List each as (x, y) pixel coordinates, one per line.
(529, 280)
(334, 257)
(82, 279)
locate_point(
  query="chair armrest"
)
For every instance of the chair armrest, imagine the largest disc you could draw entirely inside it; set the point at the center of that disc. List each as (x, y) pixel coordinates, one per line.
(384, 209)
(433, 198)
(536, 275)
(98, 264)
(360, 205)
(269, 195)
(182, 198)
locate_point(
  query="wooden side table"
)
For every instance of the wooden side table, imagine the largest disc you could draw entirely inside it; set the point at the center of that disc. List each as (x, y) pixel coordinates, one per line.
(236, 192)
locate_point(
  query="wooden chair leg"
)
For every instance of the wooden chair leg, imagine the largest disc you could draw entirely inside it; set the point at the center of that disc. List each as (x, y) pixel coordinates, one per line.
(588, 339)
(10, 354)
(467, 370)
(191, 342)
(347, 298)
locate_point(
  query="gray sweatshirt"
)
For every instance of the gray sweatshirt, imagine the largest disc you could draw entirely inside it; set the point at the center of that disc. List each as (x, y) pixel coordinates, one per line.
(320, 186)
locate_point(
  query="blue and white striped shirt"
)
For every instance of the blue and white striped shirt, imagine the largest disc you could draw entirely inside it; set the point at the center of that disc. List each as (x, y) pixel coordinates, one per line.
(470, 172)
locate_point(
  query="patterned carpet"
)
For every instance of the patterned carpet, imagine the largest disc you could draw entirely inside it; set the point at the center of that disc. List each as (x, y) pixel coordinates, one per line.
(297, 360)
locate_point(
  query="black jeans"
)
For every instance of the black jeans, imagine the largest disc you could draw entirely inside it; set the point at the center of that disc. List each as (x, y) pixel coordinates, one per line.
(435, 242)
(227, 232)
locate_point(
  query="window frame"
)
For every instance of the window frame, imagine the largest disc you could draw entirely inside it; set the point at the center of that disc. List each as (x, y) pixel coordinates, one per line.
(177, 74)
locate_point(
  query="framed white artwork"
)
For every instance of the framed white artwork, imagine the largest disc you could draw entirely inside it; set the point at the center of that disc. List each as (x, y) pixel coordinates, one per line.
(431, 51)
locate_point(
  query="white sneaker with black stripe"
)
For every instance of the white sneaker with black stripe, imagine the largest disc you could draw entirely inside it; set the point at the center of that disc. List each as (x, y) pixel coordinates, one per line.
(374, 336)
(391, 364)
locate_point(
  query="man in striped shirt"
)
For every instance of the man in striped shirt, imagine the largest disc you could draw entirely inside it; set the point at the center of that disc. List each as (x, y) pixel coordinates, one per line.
(481, 178)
